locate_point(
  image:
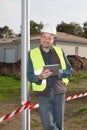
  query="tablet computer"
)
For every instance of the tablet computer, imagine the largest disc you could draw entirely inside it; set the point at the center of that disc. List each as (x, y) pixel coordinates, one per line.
(54, 68)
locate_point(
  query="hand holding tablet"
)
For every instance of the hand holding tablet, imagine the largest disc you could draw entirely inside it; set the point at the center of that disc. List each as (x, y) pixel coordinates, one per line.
(54, 68)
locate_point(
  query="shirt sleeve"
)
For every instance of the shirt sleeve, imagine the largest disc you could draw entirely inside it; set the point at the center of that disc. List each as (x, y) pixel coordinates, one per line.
(30, 72)
(67, 72)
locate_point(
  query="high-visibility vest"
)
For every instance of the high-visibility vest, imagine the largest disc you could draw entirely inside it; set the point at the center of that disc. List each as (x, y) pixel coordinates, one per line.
(38, 64)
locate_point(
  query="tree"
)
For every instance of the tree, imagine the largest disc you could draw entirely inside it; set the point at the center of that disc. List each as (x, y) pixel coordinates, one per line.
(5, 31)
(71, 28)
(1, 30)
(85, 29)
(35, 28)
(64, 27)
(78, 30)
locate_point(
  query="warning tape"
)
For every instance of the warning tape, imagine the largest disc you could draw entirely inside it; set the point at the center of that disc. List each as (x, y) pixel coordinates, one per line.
(9, 115)
(66, 99)
(27, 106)
(75, 96)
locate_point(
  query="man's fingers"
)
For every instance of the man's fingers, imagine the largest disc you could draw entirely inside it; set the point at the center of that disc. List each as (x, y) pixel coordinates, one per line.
(47, 73)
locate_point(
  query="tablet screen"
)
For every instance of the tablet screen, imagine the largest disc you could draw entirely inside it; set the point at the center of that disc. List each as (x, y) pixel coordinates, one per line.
(54, 68)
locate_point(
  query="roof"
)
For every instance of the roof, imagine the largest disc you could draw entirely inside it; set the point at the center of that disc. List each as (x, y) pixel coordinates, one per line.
(70, 38)
(9, 40)
(65, 37)
(60, 37)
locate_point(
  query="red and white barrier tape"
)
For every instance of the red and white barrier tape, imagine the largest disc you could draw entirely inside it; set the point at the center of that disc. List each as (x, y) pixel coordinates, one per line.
(33, 106)
(66, 99)
(76, 96)
(9, 115)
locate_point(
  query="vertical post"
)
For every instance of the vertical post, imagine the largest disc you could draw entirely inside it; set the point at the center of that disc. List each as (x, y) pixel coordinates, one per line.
(77, 51)
(24, 51)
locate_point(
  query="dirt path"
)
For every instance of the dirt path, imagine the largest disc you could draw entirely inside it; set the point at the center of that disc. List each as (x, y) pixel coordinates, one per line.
(72, 121)
(75, 118)
(14, 123)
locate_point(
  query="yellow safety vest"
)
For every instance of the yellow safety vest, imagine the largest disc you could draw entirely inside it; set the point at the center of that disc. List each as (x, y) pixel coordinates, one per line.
(38, 64)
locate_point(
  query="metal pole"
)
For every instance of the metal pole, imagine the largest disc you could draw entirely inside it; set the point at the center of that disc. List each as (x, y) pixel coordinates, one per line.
(24, 51)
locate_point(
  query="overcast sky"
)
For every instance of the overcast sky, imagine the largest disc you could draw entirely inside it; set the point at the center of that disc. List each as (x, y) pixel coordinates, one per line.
(10, 14)
(53, 11)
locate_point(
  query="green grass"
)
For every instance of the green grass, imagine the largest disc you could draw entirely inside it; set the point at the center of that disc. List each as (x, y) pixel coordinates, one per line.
(82, 110)
(75, 111)
(79, 122)
(9, 87)
(78, 81)
(78, 76)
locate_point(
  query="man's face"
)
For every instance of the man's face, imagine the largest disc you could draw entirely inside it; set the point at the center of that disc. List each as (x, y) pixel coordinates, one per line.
(47, 40)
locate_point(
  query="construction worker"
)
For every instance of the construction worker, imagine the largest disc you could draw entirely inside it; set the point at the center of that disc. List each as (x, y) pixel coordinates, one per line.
(49, 89)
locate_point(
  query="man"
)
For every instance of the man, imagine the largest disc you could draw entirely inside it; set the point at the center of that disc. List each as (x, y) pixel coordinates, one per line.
(49, 89)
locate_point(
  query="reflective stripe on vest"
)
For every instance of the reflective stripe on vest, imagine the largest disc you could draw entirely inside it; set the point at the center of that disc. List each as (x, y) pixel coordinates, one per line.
(38, 64)
(62, 61)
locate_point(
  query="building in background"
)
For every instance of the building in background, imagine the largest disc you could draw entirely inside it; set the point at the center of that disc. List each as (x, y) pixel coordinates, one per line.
(10, 55)
(10, 50)
(72, 45)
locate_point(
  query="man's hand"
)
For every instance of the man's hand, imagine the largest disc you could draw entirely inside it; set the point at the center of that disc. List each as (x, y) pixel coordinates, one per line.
(45, 74)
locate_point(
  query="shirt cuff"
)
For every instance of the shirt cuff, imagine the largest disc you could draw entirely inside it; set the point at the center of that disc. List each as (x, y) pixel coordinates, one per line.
(38, 81)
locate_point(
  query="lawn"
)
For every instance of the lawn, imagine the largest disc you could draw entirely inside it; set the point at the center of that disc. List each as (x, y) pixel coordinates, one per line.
(75, 110)
(10, 87)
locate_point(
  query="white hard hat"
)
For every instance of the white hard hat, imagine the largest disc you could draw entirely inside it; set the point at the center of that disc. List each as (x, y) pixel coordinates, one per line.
(48, 28)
